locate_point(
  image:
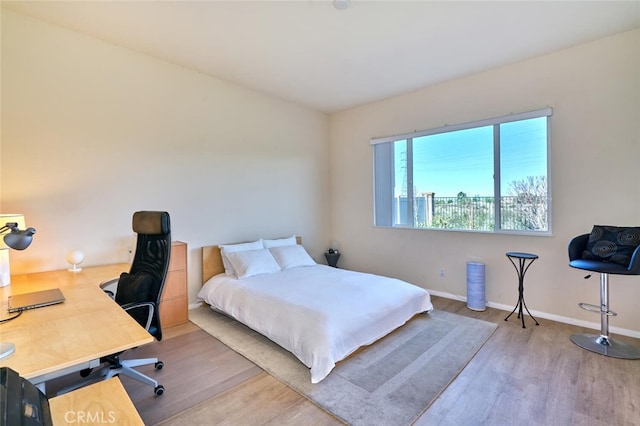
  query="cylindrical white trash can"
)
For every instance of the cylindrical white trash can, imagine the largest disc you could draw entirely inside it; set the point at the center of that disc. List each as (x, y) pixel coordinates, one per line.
(476, 299)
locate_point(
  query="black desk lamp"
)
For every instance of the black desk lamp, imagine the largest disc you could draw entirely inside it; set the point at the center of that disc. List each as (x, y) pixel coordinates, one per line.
(17, 240)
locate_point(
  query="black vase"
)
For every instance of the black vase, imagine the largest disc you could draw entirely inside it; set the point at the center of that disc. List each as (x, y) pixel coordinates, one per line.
(332, 259)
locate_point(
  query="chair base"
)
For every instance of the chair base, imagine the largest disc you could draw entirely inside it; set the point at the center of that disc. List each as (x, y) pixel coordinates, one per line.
(126, 369)
(605, 346)
(115, 367)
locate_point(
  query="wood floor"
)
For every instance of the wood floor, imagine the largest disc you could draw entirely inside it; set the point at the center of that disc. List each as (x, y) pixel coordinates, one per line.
(532, 376)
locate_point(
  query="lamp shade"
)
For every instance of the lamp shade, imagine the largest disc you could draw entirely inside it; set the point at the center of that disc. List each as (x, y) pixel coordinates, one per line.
(17, 239)
(10, 218)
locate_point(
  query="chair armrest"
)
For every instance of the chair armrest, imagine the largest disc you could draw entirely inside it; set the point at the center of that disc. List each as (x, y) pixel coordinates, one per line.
(110, 286)
(151, 308)
(634, 264)
(577, 246)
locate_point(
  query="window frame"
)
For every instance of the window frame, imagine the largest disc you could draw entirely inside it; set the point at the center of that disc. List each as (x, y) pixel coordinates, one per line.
(380, 185)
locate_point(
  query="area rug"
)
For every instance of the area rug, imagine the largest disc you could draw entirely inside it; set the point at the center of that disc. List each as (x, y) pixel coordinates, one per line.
(391, 382)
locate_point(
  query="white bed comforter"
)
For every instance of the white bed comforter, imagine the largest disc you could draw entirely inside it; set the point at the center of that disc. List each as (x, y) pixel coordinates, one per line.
(319, 313)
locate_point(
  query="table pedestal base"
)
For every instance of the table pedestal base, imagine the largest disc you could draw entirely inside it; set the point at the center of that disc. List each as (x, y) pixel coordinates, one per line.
(519, 305)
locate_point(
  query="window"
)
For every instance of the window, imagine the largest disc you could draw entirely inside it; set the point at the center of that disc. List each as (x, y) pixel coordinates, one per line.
(490, 175)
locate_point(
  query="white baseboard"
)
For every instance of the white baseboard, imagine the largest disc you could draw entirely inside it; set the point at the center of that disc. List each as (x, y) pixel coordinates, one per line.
(540, 314)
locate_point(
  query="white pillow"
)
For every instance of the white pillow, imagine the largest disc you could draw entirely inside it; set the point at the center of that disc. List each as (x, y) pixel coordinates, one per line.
(290, 241)
(225, 249)
(291, 256)
(253, 262)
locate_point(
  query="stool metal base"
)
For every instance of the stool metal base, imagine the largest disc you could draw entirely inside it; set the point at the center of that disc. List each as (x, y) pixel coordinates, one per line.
(605, 346)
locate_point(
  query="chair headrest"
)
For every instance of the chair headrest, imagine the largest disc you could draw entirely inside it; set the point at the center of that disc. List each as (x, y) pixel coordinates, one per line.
(151, 223)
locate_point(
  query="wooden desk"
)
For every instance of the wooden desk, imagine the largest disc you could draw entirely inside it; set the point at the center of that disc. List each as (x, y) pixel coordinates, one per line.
(56, 340)
(104, 402)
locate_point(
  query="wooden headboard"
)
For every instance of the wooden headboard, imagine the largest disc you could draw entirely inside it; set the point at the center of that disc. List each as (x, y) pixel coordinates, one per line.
(212, 261)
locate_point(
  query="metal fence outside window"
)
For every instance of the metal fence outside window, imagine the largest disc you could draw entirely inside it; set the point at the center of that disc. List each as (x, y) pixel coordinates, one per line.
(524, 212)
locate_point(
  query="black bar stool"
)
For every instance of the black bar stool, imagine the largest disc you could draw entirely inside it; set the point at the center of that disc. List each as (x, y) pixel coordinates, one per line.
(580, 258)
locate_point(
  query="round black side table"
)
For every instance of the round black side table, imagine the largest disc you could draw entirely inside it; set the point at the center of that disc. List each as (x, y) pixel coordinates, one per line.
(524, 261)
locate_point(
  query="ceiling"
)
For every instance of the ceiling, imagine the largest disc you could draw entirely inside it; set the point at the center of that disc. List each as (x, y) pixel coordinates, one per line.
(311, 53)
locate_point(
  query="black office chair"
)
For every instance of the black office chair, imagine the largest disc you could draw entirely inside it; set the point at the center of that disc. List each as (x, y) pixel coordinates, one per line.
(607, 250)
(139, 290)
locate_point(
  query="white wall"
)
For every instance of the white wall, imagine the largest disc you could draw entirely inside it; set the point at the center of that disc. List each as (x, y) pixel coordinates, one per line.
(92, 132)
(594, 90)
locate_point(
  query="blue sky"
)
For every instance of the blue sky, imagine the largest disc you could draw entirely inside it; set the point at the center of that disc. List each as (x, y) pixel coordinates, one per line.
(448, 163)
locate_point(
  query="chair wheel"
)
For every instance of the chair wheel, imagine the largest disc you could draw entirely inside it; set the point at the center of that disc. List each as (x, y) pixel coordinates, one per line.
(85, 372)
(159, 365)
(159, 390)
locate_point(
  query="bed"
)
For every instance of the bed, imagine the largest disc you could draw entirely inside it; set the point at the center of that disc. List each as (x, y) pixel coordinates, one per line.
(318, 313)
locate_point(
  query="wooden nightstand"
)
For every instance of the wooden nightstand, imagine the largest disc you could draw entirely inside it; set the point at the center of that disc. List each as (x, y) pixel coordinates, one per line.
(173, 304)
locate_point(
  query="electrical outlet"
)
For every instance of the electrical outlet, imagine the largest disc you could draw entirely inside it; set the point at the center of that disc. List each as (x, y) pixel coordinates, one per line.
(442, 272)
